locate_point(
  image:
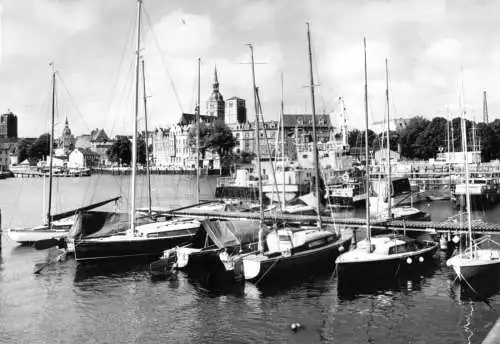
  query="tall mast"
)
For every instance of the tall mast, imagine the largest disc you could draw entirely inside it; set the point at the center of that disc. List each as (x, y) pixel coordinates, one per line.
(367, 164)
(51, 144)
(134, 135)
(389, 181)
(463, 129)
(198, 138)
(315, 148)
(257, 140)
(282, 117)
(148, 172)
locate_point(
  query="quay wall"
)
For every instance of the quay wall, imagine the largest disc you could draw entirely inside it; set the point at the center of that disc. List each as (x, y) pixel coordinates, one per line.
(152, 170)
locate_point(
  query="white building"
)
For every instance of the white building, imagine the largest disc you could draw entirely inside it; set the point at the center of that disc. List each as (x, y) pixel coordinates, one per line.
(83, 158)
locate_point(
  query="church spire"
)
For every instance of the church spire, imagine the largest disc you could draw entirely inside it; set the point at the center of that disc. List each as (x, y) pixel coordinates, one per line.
(216, 81)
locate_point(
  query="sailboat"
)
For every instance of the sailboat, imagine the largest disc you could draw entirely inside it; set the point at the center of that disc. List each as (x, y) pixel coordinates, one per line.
(56, 226)
(285, 251)
(473, 262)
(207, 255)
(397, 201)
(142, 237)
(385, 255)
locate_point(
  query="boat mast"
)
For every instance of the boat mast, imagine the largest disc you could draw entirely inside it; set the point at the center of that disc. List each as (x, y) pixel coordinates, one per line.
(51, 144)
(257, 140)
(198, 137)
(389, 181)
(463, 129)
(282, 117)
(148, 172)
(367, 163)
(134, 135)
(315, 148)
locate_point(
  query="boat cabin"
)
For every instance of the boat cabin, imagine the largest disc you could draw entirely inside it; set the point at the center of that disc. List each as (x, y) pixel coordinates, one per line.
(388, 245)
(284, 240)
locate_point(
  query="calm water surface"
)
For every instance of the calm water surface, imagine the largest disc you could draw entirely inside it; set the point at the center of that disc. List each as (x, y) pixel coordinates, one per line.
(122, 304)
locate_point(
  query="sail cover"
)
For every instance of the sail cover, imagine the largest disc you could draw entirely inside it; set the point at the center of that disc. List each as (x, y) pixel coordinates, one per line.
(225, 233)
(95, 224)
(72, 212)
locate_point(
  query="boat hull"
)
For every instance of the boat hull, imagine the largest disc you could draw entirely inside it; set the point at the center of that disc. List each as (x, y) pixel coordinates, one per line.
(256, 269)
(467, 268)
(28, 236)
(352, 273)
(100, 249)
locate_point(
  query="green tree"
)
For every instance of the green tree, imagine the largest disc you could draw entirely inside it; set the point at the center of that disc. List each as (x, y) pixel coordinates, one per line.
(40, 148)
(217, 137)
(141, 150)
(205, 131)
(489, 142)
(408, 136)
(356, 138)
(23, 148)
(120, 151)
(427, 143)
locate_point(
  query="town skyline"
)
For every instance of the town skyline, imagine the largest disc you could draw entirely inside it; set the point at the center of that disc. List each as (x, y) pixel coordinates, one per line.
(426, 44)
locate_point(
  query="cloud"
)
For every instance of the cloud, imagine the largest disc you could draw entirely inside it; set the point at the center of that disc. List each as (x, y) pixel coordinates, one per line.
(426, 43)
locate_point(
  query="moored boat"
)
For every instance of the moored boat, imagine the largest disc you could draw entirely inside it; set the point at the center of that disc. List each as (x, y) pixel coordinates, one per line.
(25, 236)
(475, 263)
(292, 251)
(384, 256)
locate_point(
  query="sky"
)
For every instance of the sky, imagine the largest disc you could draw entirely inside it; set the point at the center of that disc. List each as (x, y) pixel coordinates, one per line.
(433, 47)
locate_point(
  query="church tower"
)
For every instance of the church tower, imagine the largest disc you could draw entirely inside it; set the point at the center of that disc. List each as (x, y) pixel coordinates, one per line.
(67, 140)
(215, 103)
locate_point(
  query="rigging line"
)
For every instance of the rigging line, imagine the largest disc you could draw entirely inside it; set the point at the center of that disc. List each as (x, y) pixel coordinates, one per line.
(72, 100)
(126, 87)
(122, 57)
(179, 102)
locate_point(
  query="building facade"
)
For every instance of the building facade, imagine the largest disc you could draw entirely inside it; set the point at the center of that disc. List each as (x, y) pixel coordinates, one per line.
(98, 142)
(67, 141)
(83, 158)
(8, 126)
(236, 111)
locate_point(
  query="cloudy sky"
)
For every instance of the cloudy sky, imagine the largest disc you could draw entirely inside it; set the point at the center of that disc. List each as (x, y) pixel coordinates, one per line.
(427, 42)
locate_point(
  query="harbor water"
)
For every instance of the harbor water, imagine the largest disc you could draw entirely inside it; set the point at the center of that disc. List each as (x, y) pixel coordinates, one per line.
(67, 303)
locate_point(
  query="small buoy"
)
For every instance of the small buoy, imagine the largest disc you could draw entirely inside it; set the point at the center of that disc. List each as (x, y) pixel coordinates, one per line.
(456, 239)
(421, 259)
(295, 326)
(408, 260)
(341, 249)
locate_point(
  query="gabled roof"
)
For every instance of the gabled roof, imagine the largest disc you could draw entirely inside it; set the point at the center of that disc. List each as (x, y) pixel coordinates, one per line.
(87, 152)
(188, 118)
(99, 135)
(82, 141)
(305, 121)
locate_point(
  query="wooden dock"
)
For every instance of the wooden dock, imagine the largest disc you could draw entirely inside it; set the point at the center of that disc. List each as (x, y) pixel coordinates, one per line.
(37, 174)
(427, 226)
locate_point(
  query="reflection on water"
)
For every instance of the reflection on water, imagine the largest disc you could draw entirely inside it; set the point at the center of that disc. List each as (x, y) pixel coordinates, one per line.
(121, 303)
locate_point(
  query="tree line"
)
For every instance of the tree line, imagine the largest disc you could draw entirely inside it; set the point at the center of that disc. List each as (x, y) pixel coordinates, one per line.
(422, 139)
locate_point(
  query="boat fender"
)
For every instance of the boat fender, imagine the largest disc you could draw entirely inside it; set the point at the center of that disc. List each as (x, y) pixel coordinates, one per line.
(409, 260)
(295, 326)
(341, 249)
(421, 259)
(456, 239)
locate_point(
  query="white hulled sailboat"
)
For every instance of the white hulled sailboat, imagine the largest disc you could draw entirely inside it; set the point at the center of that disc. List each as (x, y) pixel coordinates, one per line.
(385, 255)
